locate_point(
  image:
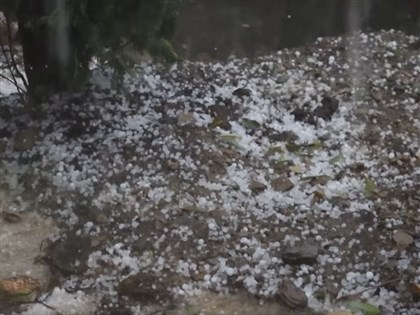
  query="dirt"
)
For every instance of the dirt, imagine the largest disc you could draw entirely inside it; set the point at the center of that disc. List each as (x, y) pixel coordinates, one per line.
(160, 196)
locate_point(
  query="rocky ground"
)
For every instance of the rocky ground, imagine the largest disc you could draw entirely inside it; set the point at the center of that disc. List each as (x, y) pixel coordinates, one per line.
(287, 184)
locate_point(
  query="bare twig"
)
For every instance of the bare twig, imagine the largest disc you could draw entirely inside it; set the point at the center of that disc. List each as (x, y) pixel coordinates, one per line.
(9, 35)
(8, 63)
(48, 306)
(20, 90)
(37, 301)
(7, 78)
(11, 64)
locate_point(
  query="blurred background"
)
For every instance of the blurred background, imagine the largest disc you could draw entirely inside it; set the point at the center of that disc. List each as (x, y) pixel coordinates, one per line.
(216, 29)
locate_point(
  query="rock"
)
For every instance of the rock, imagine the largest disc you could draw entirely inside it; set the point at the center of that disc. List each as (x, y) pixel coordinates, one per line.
(10, 217)
(70, 255)
(378, 95)
(300, 114)
(327, 109)
(144, 287)
(171, 164)
(242, 92)
(299, 255)
(286, 136)
(399, 89)
(282, 184)
(25, 139)
(403, 239)
(185, 119)
(282, 167)
(256, 186)
(415, 290)
(292, 296)
(332, 289)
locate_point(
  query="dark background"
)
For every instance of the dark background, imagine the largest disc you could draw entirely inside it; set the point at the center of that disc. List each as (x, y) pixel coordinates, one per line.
(215, 29)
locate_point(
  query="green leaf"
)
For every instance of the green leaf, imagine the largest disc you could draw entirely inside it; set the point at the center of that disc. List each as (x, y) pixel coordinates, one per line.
(364, 308)
(297, 169)
(317, 145)
(229, 137)
(250, 124)
(292, 147)
(282, 165)
(232, 140)
(336, 159)
(274, 150)
(235, 187)
(217, 121)
(370, 187)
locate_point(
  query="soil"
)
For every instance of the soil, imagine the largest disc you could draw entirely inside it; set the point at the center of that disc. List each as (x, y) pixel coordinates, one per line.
(205, 187)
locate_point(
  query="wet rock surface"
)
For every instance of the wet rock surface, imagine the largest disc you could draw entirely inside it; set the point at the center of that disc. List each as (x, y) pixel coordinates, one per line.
(300, 255)
(70, 255)
(292, 296)
(145, 288)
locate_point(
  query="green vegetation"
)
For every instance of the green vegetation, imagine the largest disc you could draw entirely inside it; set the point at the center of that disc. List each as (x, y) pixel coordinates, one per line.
(60, 37)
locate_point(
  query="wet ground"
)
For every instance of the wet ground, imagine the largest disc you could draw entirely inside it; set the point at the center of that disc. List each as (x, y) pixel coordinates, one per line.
(286, 184)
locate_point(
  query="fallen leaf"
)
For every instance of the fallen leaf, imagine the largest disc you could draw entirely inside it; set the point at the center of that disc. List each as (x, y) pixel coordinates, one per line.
(185, 118)
(19, 288)
(317, 180)
(292, 147)
(349, 297)
(370, 187)
(297, 169)
(282, 184)
(318, 145)
(357, 167)
(319, 196)
(231, 139)
(256, 186)
(250, 124)
(274, 150)
(235, 187)
(364, 308)
(10, 217)
(221, 123)
(340, 201)
(415, 289)
(336, 159)
(402, 239)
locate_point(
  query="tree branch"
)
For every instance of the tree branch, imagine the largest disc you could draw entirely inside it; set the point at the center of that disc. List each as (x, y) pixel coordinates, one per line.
(8, 63)
(10, 39)
(20, 90)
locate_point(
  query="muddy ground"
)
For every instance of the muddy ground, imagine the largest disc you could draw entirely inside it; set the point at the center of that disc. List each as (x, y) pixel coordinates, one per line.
(286, 184)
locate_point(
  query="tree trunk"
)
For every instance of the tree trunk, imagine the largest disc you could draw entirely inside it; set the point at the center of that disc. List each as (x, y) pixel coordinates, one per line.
(44, 71)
